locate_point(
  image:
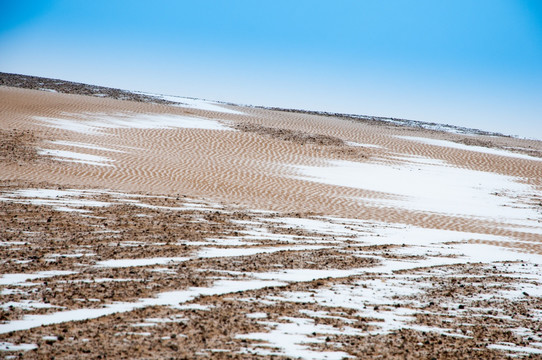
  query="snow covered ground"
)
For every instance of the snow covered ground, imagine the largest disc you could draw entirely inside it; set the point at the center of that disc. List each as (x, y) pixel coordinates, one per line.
(386, 293)
(261, 245)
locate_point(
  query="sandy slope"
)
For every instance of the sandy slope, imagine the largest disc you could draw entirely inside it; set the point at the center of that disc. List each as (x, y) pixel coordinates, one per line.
(236, 166)
(234, 193)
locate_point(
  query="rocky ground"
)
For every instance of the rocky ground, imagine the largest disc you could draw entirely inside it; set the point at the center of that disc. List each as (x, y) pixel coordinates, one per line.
(93, 268)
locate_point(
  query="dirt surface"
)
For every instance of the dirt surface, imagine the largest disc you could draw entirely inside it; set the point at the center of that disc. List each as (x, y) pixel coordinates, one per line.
(143, 229)
(68, 87)
(291, 135)
(18, 146)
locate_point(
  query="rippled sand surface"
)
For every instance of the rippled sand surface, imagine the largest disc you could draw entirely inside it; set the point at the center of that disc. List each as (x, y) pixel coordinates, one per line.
(204, 215)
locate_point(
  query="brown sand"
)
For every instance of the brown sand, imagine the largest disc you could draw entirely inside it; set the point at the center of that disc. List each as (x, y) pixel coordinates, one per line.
(241, 166)
(248, 167)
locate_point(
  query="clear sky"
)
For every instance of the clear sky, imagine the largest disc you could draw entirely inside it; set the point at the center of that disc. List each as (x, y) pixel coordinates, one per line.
(475, 63)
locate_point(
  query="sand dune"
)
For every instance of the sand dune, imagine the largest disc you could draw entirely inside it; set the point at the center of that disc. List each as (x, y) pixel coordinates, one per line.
(284, 199)
(226, 164)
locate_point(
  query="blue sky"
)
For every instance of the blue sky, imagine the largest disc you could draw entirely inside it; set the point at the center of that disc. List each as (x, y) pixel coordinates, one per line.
(469, 63)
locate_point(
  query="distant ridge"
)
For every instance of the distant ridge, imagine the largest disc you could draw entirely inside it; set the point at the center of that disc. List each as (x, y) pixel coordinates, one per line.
(68, 87)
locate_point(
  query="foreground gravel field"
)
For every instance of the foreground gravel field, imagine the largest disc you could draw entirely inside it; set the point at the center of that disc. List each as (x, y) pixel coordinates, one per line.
(143, 226)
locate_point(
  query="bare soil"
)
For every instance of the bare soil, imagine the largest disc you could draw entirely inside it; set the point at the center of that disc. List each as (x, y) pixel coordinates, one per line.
(215, 204)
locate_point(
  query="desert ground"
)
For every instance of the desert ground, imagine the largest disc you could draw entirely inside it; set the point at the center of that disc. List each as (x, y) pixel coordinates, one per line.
(141, 226)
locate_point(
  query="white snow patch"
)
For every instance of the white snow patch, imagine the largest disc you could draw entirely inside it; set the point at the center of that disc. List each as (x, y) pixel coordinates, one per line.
(459, 146)
(149, 324)
(366, 297)
(489, 253)
(72, 199)
(352, 143)
(6, 346)
(233, 241)
(61, 200)
(219, 252)
(166, 320)
(50, 337)
(193, 307)
(11, 243)
(513, 348)
(91, 123)
(292, 339)
(203, 253)
(387, 267)
(256, 234)
(429, 187)
(399, 234)
(172, 298)
(26, 305)
(137, 333)
(257, 315)
(18, 279)
(120, 263)
(76, 255)
(198, 104)
(314, 225)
